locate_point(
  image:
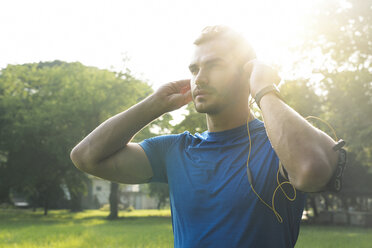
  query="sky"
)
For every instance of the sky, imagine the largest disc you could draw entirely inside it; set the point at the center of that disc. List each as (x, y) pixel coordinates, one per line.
(152, 38)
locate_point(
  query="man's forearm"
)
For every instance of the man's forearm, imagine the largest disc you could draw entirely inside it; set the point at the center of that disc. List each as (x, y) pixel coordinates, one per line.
(305, 151)
(116, 132)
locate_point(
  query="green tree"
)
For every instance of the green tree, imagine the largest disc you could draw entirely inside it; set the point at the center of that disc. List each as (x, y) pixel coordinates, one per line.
(194, 122)
(49, 108)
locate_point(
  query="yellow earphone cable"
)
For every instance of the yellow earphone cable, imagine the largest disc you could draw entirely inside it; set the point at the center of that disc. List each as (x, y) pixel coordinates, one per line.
(280, 184)
(330, 127)
(272, 207)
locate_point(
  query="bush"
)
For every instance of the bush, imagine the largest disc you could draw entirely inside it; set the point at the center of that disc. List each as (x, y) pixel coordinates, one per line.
(6, 205)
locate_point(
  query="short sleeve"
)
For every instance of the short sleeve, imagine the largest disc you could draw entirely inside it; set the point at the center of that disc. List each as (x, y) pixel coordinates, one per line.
(156, 150)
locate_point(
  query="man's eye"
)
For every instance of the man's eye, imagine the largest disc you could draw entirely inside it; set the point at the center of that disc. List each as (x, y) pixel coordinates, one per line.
(194, 71)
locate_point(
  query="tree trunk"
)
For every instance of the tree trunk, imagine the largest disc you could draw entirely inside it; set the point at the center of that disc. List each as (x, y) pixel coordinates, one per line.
(326, 202)
(76, 203)
(46, 203)
(4, 194)
(114, 201)
(313, 205)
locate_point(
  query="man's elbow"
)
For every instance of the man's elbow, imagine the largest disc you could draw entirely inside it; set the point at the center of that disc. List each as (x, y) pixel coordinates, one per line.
(79, 159)
(313, 177)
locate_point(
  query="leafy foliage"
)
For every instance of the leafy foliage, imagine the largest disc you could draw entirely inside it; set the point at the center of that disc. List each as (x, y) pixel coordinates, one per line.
(46, 108)
(194, 122)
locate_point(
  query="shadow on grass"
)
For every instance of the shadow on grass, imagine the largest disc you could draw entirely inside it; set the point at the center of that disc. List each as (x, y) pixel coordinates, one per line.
(14, 218)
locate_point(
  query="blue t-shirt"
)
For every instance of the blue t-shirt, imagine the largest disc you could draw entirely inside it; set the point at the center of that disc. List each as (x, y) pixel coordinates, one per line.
(211, 200)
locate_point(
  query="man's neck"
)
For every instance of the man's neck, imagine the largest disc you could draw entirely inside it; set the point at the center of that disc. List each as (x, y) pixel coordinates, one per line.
(228, 119)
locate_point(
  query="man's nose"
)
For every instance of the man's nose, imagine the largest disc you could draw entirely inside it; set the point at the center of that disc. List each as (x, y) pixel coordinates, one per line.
(201, 78)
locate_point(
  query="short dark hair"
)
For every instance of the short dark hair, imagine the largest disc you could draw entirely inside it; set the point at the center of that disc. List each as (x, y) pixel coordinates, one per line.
(232, 37)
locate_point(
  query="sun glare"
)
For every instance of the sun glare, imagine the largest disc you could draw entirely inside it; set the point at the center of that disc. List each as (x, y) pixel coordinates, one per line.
(151, 33)
(272, 27)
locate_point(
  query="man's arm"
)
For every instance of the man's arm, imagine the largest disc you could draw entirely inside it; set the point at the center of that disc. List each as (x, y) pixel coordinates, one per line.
(305, 152)
(106, 151)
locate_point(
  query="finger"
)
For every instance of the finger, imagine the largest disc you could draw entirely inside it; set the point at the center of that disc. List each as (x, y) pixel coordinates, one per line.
(188, 97)
(185, 89)
(178, 85)
(182, 83)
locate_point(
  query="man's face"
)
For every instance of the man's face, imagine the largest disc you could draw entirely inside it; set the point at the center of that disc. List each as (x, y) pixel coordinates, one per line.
(216, 82)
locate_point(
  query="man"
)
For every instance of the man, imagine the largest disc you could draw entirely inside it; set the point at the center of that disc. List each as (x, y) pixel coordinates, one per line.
(215, 200)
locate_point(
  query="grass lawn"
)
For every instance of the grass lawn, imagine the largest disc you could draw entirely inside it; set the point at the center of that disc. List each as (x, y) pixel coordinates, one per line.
(334, 237)
(139, 228)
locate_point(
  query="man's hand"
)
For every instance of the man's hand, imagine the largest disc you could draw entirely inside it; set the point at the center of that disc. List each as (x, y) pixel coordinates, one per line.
(260, 75)
(173, 95)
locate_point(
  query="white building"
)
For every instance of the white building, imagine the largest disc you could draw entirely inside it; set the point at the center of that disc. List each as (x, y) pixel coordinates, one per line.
(130, 195)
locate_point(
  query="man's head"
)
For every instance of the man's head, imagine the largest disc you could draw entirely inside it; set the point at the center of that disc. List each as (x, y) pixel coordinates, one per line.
(232, 39)
(217, 69)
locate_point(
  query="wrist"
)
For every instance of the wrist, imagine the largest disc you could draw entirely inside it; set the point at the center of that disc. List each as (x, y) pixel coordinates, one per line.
(258, 87)
(267, 90)
(155, 105)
